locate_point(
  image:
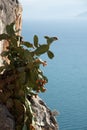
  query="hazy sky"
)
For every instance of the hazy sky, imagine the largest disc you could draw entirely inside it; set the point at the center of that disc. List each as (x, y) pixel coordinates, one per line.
(52, 9)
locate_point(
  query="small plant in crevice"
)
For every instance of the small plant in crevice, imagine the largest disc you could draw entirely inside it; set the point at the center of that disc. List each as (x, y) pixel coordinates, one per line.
(22, 76)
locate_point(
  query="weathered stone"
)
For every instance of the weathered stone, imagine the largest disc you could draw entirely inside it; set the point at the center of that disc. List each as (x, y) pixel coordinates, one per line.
(44, 117)
(6, 119)
(10, 11)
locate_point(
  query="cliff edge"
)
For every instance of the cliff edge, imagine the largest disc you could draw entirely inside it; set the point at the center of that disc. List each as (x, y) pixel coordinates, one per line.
(11, 10)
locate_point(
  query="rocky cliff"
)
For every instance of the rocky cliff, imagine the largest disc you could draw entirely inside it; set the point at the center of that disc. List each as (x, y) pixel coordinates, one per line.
(11, 10)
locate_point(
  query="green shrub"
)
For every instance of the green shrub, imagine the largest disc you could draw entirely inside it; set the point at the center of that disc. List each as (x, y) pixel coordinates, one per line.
(22, 75)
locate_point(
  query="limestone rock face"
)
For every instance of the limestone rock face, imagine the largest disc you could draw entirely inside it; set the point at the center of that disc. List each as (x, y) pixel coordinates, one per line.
(44, 117)
(10, 11)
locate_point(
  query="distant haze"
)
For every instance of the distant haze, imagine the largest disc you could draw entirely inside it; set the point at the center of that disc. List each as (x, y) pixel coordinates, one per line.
(83, 14)
(52, 9)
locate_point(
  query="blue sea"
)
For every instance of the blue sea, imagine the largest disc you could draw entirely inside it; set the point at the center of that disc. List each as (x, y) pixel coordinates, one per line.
(67, 72)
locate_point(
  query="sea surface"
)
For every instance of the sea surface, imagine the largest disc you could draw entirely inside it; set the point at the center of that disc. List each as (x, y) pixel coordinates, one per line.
(67, 72)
